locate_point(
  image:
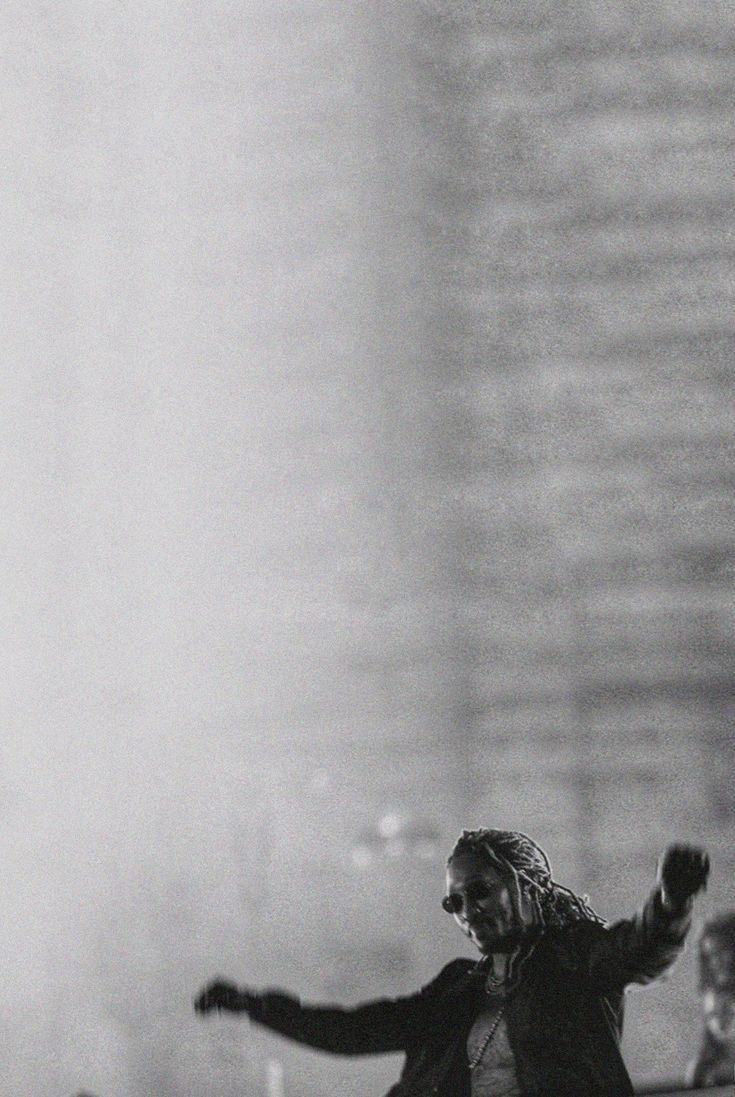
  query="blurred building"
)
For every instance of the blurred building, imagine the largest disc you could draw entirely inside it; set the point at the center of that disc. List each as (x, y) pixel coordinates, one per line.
(370, 475)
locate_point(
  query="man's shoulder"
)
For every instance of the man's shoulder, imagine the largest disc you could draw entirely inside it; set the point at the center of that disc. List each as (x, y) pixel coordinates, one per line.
(461, 965)
(451, 984)
(456, 971)
(579, 931)
(570, 944)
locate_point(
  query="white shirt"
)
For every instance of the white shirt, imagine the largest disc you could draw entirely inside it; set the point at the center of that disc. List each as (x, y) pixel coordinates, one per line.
(495, 1074)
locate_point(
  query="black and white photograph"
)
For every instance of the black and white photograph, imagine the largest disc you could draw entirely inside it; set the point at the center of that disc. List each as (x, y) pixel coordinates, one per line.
(368, 541)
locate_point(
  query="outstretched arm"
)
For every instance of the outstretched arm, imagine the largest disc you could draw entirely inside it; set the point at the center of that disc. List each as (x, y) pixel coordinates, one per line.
(385, 1025)
(380, 1026)
(639, 949)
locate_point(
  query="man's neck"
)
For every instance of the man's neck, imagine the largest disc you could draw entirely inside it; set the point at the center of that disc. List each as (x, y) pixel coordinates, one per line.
(500, 963)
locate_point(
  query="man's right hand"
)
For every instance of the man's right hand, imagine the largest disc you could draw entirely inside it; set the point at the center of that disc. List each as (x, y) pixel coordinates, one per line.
(221, 995)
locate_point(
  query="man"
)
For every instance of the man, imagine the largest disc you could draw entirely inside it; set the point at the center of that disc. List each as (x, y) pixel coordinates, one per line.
(715, 1061)
(540, 1015)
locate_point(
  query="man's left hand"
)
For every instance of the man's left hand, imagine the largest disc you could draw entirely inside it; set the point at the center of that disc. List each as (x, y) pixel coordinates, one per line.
(682, 872)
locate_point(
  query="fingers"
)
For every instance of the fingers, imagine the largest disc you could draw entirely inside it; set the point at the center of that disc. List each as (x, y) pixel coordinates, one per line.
(205, 1001)
(682, 857)
(685, 858)
(686, 853)
(698, 868)
(683, 871)
(218, 995)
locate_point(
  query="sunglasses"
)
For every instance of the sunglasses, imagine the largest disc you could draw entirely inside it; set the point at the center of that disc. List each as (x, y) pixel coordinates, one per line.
(473, 893)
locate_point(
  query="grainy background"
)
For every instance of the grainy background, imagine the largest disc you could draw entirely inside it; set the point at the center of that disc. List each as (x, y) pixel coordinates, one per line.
(367, 460)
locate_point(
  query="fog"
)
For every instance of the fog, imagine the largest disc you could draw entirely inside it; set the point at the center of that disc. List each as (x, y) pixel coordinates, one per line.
(367, 445)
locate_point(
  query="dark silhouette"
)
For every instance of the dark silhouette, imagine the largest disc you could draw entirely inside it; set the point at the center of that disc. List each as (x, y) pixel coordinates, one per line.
(540, 1014)
(714, 1064)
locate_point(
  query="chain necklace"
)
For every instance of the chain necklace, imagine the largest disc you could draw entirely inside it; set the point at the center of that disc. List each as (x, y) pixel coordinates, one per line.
(486, 1042)
(504, 984)
(494, 984)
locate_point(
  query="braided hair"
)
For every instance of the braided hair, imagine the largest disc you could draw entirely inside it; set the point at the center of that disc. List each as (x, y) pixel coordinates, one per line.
(556, 905)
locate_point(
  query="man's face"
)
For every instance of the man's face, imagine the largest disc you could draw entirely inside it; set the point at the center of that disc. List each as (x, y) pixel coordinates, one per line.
(719, 1015)
(483, 905)
(718, 961)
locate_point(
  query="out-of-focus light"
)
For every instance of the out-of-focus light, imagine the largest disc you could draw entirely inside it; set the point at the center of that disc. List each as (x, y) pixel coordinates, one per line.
(274, 1078)
(361, 856)
(390, 825)
(426, 850)
(394, 835)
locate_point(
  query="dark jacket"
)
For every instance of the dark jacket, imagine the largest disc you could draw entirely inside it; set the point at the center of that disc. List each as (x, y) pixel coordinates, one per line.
(564, 1018)
(713, 1065)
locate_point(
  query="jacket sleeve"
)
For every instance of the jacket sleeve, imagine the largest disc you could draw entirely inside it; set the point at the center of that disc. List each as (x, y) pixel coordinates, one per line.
(701, 1071)
(637, 949)
(384, 1025)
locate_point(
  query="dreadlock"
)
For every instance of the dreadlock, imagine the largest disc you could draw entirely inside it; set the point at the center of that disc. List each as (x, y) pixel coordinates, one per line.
(557, 905)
